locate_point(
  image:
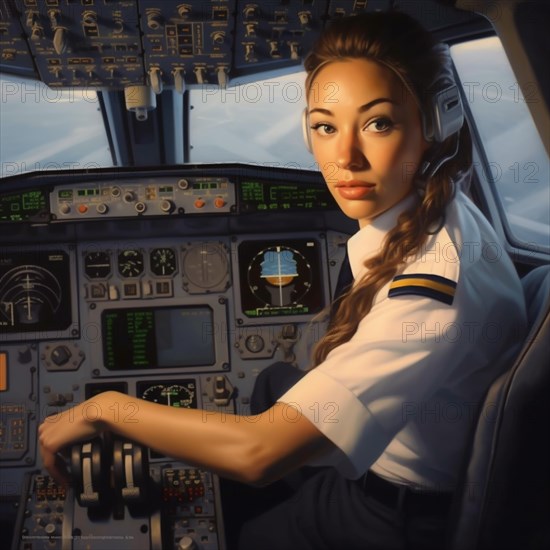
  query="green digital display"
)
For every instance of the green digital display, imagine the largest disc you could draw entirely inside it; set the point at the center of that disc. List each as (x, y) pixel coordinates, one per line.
(65, 194)
(258, 196)
(25, 206)
(170, 337)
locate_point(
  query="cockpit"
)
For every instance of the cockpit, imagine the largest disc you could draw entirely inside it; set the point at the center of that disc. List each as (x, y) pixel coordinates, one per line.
(165, 233)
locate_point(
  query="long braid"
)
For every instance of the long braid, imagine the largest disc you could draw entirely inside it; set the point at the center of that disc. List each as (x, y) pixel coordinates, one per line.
(404, 241)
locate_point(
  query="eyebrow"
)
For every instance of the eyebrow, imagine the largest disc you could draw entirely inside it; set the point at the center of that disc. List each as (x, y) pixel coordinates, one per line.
(361, 109)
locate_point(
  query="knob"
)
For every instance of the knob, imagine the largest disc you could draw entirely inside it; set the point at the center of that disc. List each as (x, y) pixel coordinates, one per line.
(250, 12)
(154, 19)
(60, 40)
(184, 10)
(64, 208)
(187, 543)
(118, 26)
(167, 206)
(199, 203)
(102, 208)
(199, 74)
(218, 37)
(248, 51)
(140, 207)
(179, 80)
(183, 184)
(61, 355)
(274, 49)
(37, 32)
(304, 17)
(129, 196)
(54, 21)
(89, 18)
(155, 80)
(222, 77)
(222, 391)
(254, 343)
(32, 18)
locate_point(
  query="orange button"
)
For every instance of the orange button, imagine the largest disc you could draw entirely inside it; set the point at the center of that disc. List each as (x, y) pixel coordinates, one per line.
(199, 203)
(3, 371)
(219, 202)
(82, 208)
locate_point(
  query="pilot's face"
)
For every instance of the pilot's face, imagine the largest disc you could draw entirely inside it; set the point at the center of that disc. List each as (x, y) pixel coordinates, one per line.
(366, 134)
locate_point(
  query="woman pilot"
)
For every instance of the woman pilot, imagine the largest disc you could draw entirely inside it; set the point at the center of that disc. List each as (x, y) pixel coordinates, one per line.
(434, 315)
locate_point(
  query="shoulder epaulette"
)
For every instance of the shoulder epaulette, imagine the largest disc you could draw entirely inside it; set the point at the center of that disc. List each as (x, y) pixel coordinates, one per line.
(422, 284)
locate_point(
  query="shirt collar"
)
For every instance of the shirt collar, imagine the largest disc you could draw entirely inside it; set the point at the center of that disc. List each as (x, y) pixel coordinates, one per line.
(368, 240)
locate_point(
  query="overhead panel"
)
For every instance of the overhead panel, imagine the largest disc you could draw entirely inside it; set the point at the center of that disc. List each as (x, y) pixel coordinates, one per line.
(83, 44)
(187, 42)
(14, 52)
(121, 44)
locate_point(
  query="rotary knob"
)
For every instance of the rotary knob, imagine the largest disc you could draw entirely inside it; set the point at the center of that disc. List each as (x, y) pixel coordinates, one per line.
(167, 206)
(61, 355)
(187, 543)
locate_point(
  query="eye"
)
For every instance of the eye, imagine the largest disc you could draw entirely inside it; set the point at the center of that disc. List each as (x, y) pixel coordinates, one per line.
(323, 129)
(380, 125)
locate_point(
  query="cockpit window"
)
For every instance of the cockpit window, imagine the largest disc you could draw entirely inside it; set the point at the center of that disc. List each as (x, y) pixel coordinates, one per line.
(49, 129)
(517, 164)
(256, 122)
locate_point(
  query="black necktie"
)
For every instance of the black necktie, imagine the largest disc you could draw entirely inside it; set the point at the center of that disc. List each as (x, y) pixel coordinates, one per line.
(345, 280)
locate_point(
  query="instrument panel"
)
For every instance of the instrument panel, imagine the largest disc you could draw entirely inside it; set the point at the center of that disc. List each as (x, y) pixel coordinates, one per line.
(182, 306)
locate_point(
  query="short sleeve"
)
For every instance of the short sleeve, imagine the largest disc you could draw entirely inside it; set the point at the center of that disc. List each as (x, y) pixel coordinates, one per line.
(399, 355)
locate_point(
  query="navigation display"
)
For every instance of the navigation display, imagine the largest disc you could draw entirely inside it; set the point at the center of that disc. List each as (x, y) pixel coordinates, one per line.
(35, 292)
(148, 338)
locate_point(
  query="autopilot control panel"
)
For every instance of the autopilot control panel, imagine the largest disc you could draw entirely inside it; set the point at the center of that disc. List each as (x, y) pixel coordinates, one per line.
(174, 285)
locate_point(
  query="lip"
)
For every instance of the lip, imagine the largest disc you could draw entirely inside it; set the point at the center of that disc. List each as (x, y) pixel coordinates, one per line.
(354, 189)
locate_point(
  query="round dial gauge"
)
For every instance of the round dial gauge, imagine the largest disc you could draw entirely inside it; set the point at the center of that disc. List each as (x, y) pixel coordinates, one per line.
(163, 261)
(205, 267)
(130, 263)
(97, 265)
(174, 395)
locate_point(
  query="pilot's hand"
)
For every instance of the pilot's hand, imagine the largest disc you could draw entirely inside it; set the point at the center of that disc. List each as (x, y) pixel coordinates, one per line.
(59, 431)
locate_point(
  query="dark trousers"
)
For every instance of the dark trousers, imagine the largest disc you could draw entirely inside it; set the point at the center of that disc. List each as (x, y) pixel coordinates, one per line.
(325, 511)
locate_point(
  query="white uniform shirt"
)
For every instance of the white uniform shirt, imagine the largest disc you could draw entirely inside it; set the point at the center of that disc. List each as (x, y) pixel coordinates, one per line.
(402, 395)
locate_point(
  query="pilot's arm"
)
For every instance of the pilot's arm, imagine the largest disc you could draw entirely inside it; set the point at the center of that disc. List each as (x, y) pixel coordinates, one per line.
(253, 449)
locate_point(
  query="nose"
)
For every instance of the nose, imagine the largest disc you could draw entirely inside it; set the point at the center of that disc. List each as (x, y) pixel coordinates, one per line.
(349, 153)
